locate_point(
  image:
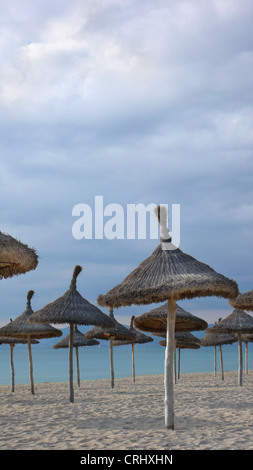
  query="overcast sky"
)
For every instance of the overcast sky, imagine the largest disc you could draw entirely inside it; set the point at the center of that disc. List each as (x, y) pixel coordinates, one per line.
(138, 102)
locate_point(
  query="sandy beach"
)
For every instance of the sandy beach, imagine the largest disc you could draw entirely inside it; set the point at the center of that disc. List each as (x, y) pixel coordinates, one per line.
(211, 414)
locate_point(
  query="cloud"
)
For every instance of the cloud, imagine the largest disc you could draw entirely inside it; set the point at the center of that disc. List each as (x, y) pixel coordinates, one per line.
(138, 102)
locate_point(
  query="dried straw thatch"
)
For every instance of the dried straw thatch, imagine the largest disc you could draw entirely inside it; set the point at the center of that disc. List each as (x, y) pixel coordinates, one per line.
(15, 257)
(140, 338)
(243, 301)
(12, 342)
(115, 332)
(78, 341)
(71, 308)
(168, 274)
(237, 322)
(21, 328)
(155, 320)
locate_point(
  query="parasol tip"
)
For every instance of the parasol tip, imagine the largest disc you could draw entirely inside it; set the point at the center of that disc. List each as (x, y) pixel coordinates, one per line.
(162, 215)
(29, 296)
(76, 273)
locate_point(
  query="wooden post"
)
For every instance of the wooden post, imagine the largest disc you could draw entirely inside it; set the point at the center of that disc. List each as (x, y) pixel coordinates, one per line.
(178, 363)
(214, 361)
(111, 363)
(71, 340)
(12, 368)
(240, 358)
(246, 358)
(133, 363)
(168, 366)
(221, 364)
(31, 363)
(77, 367)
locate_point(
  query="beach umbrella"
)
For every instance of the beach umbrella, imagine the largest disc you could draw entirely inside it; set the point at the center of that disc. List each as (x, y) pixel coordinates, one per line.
(155, 320)
(247, 339)
(243, 301)
(215, 339)
(12, 342)
(74, 309)
(168, 274)
(78, 341)
(140, 338)
(237, 322)
(15, 257)
(183, 340)
(21, 328)
(113, 333)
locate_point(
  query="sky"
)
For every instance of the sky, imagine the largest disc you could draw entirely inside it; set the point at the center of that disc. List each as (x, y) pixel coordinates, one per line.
(138, 102)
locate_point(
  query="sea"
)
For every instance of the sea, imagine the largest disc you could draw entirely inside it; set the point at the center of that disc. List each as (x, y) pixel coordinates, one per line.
(51, 365)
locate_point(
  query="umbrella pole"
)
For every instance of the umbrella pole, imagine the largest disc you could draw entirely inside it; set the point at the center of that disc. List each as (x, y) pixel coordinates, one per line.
(77, 367)
(246, 358)
(221, 364)
(175, 364)
(31, 363)
(133, 363)
(214, 361)
(178, 363)
(168, 366)
(71, 340)
(240, 359)
(111, 363)
(12, 368)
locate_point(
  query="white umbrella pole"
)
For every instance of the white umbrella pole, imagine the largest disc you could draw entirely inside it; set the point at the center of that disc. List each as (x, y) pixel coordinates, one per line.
(240, 359)
(77, 367)
(111, 363)
(168, 366)
(221, 364)
(178, 363)
(12, 368)
(71, 340)
(246, 358)
(31, 363)
(214, 361)
(133, 363)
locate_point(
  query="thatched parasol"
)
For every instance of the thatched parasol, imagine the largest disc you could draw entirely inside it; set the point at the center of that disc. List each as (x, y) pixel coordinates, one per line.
(21, 328)
(168, 274)
(15, 257)
(12, 342)
(183, 340)
(237, 322)
(78, 341)
(215, 339)
(71, 308)
(247, 339)
(115, 332)
(155, 320)
(243, 301)
(140, 338)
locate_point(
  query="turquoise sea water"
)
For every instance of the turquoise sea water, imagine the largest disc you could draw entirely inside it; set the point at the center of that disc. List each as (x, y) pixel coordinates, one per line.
(50, 365)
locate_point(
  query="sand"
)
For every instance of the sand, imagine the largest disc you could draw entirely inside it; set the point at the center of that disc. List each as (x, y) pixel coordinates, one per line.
(210, 414)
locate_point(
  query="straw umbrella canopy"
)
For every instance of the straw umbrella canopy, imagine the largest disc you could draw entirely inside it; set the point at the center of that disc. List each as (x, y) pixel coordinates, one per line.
(140, 338)
(15, 257)
(155, 320)
(243, 301)
(215, 339)
(115, 332)
(78, 341)
(12, 342)
(168, 274)
(237, 322)
(21, 328)
(71, 308)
